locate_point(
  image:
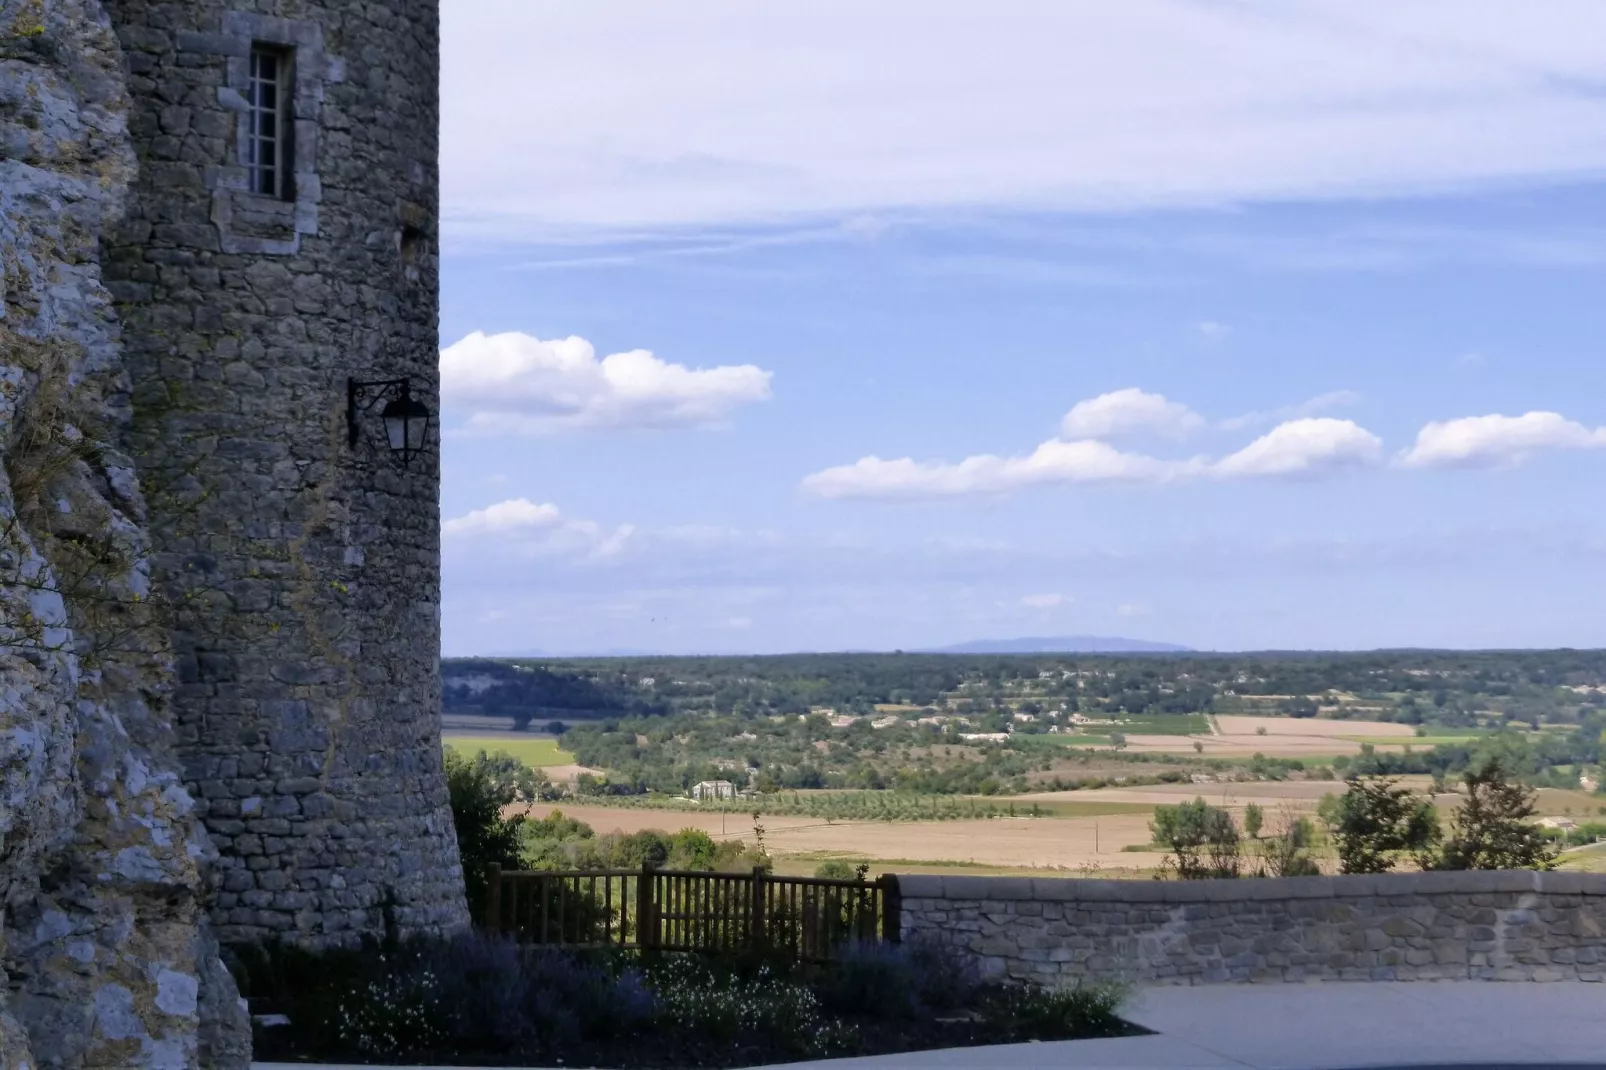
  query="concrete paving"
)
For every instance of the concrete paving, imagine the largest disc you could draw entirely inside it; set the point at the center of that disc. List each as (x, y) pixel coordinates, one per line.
(1334, 1026)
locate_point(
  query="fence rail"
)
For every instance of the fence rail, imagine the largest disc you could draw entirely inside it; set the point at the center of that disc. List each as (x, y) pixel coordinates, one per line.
(809, 918)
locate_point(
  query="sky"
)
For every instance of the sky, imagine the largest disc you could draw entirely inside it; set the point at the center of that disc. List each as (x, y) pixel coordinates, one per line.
(835, 326)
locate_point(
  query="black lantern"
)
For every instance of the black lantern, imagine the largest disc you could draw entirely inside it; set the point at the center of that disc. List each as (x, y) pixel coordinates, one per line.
(405, 418)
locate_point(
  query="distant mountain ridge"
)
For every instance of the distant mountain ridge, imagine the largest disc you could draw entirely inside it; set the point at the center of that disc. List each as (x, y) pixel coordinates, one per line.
(1061, 644)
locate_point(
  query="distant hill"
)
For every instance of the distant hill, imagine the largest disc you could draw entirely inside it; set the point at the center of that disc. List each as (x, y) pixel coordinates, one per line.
(1062, 644)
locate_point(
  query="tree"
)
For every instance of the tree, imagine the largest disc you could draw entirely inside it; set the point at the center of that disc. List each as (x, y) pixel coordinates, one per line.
(484, 836)
(1118, 740)
(1254, 820)
(556, 728)
(1374, 820)
(1493, 828)
(1201, 838)
(1198, 747)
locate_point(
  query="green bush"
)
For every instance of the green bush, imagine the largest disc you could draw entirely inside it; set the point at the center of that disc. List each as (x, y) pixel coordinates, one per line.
(1202, 839)
(484, 836)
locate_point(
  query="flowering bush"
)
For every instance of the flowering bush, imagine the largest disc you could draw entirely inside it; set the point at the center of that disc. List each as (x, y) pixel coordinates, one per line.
(487, 1001)
(725, 1006)
(393, 1014)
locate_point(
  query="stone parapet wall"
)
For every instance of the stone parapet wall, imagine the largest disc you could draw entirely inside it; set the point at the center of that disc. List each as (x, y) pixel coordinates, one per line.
(1499, 926)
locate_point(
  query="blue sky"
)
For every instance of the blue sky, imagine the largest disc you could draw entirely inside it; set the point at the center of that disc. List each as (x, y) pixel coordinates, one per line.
(795, 327)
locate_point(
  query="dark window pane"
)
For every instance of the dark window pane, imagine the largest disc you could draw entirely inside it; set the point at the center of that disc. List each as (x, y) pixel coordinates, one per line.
(269, 157)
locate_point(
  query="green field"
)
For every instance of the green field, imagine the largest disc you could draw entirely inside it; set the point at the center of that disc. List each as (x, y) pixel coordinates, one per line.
(536, 753)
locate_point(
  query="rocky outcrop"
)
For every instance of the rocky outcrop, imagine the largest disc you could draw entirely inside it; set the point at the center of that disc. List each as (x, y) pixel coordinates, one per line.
(105, 956)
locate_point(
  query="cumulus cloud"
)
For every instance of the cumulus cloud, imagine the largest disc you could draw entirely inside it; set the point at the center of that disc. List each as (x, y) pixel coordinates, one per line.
(519, 384)
(537, 528)
(1299, 447)
(1303, 447)
(1497, 441)
(1055, 461)
(1126, 412)
(1044, 601)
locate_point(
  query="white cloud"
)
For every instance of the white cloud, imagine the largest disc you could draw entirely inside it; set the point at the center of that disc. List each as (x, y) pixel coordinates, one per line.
(1496, 441)
(1055, 461)
(1212, 331)
(1131, 609)
(515, 383)
(1045, 601)
(660, 115)
(539, 529)
(1333, 399)
(515, 516)
(1303, 447)
(1297, 447)
(1129, 411)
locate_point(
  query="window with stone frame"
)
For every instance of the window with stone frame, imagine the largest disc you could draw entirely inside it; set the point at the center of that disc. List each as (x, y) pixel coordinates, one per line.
(270, 156)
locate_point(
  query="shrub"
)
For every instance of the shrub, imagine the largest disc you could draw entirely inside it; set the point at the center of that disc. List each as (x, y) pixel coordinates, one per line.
(899, 981)
(1287, 854)
(1082, 1008)
(695, 997)
(1374, 820)
(468, 996)
(835, 869)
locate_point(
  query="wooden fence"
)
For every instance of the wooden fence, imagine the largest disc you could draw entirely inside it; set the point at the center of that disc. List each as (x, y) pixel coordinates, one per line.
(809, 918)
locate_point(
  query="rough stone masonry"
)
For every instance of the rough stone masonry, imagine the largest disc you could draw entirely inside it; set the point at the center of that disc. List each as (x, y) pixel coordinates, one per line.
(218, 621)
(1497, 926)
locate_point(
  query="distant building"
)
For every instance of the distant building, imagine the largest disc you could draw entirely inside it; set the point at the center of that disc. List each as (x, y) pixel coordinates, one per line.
(712, 790)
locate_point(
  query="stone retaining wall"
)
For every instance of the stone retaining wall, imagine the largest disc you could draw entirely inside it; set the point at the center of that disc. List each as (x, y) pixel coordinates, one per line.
(1499, 926)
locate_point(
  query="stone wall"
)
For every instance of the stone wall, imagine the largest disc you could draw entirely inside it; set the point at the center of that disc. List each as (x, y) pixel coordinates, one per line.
(304, 572)
(1506, 926)
(105, 955)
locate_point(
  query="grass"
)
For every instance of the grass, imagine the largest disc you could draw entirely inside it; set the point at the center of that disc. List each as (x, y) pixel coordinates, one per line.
(535, 753)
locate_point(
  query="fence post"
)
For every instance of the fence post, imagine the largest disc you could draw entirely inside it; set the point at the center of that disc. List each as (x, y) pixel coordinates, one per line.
(891, 909)
(646, 915)
(756, 934)
(493, 898)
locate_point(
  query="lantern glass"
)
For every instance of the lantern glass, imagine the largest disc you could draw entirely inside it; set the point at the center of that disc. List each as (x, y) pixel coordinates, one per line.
(406, 426)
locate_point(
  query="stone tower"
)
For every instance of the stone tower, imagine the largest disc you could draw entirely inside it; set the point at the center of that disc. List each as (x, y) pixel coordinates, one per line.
(280, 242)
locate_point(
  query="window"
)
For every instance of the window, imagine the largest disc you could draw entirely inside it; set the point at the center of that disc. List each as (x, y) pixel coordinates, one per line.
(269, 158)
